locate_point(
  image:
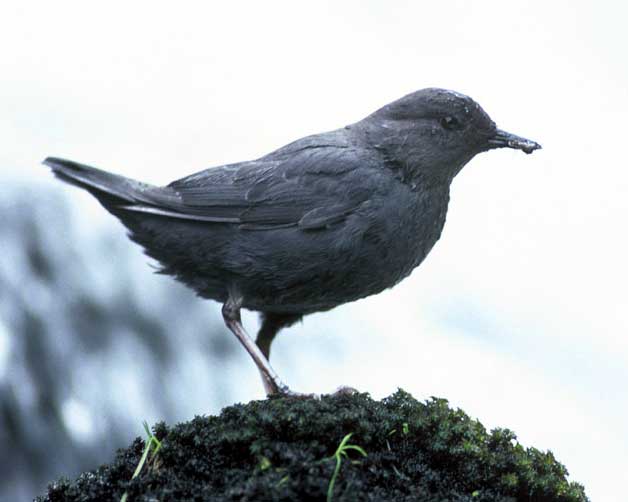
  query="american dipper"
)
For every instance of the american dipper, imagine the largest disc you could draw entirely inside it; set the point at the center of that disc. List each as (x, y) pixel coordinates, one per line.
(322, 221)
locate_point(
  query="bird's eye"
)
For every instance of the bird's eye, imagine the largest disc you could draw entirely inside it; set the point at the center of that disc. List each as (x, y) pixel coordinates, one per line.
(450, 123)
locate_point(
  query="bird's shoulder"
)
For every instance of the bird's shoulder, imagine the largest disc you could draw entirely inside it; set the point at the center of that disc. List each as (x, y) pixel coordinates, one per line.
(331, 153)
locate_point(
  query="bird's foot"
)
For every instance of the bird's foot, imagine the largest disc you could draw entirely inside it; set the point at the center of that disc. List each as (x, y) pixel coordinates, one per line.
(285, 391)
(275, 388)
(345, 390)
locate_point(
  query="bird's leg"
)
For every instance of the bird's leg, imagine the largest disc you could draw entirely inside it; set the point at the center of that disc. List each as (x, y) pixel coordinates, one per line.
(271, 324)
(231, 315)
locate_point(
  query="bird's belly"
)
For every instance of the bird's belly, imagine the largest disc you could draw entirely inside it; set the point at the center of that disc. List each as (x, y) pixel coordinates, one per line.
(340, 266)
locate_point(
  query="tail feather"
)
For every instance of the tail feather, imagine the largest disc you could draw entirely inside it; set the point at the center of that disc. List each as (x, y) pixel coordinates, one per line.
(121, 195)
(108, 188)
(154, 216)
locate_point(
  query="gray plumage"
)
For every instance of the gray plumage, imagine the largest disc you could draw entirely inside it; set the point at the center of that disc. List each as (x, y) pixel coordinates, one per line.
(325, 220)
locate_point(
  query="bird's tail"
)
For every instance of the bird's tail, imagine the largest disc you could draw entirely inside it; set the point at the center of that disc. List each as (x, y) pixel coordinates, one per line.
(110, 189)
(122, 197)
(150, 213)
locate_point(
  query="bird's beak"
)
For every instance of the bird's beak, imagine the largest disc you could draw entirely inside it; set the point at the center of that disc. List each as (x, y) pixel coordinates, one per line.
(503, 139)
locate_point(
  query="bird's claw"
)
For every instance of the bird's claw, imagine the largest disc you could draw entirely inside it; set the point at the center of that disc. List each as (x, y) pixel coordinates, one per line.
(345, 390)
(284, 391)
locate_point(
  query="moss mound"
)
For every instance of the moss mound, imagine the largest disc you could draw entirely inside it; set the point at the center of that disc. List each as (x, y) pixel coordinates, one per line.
(283, 449)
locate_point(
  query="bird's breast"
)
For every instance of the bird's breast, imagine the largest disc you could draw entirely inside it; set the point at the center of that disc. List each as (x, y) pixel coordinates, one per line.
(396, 236)
(404, 232)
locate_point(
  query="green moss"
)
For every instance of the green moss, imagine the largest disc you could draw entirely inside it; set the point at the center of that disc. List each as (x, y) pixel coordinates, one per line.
(283, 449)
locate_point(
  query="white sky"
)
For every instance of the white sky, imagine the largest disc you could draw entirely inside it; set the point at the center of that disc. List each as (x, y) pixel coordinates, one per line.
(519, 314)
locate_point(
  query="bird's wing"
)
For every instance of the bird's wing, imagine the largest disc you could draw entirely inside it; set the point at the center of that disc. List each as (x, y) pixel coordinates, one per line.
(310, 187)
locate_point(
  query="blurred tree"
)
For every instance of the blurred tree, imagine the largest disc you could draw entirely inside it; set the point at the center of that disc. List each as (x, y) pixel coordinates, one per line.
(91, 343)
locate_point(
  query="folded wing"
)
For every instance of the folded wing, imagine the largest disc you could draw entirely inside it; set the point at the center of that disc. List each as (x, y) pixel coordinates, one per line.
(309, 187)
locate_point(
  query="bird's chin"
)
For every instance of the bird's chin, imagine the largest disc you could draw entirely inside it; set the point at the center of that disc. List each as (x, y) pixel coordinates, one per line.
(503, 139)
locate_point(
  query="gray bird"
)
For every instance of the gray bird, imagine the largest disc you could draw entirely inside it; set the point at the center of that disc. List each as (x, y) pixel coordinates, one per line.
(322, 221)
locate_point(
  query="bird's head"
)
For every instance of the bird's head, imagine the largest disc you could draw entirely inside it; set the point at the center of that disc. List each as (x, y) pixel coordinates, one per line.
(435, 132)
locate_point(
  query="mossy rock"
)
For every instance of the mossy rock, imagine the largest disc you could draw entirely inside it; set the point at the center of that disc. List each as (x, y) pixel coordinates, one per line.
(283, 449)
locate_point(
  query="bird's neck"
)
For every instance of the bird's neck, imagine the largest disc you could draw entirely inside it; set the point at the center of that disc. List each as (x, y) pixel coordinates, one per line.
(407, 157)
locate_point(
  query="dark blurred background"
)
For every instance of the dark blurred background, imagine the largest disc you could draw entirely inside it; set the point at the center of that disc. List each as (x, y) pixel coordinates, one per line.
(83, 355)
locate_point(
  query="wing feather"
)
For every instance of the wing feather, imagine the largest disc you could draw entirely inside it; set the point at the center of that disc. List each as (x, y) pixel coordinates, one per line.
(309, 187)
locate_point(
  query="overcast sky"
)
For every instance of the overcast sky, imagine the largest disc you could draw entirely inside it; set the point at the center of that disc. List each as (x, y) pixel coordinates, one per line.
(519, 315)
